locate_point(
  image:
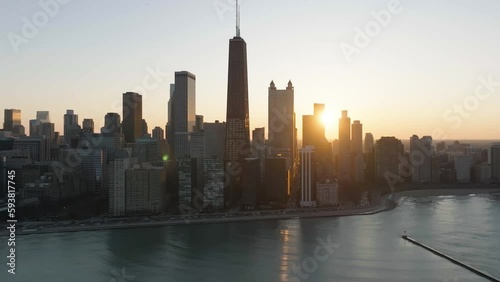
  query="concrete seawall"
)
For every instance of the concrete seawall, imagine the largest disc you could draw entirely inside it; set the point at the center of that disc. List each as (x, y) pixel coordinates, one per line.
(453, 260)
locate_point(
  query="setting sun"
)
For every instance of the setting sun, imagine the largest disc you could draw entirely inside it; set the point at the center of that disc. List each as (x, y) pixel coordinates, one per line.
(328, 118)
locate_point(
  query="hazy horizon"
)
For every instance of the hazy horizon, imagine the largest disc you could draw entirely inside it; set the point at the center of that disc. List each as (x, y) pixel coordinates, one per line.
(430, 57)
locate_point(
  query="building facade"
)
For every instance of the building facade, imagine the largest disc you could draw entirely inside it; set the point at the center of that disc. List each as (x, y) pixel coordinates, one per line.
(308, 177)
(132, 116)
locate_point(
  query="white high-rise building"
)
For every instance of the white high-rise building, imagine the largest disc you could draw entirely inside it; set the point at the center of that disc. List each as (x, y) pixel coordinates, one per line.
(308, 181)
(119, 162)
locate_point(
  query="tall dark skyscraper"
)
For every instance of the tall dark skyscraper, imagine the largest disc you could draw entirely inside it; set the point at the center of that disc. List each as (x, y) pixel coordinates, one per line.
(237, 116)
(184, 112)
(281, 122)
(132, 116)
(71, 126)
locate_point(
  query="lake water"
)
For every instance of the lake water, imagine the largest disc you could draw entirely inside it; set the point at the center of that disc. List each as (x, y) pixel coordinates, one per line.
(358, 248)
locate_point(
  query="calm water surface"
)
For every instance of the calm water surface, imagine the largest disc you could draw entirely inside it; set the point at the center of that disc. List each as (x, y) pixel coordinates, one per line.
(365, 248)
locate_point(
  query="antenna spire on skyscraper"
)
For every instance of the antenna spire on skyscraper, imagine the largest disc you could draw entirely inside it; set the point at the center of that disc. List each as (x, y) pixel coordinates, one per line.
(237, 19)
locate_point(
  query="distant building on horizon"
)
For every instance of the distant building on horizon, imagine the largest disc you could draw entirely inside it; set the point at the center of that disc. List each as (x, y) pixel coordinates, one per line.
(258, 136)
(43, 116)
(369, 142)
(88, 125)
(112, 124)
(144, 129)
(158, 133)
(71, 127)
(12, 121)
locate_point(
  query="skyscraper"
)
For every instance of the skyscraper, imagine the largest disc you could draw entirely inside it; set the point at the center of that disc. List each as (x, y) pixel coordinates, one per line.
(358, 164)
(345, 147)
(170, 117)
(132, 116)
(88, 125)
(112, 123)
(308, 179)
(357, 137)
(281, 119)
(12, 121)
(184, 112)
(43, 116)
(258, 136)
(313, 130)
(369, 142)
(158, 133)
(495, 162)
(145, 131)
(147, 150)
(215, 133)
(421, 154)
(388, 151)
(237, 115)
(71, 126)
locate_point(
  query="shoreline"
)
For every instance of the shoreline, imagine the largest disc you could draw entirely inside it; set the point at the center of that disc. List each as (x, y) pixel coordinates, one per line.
(385, 204)
(446, 192)
(382, 206)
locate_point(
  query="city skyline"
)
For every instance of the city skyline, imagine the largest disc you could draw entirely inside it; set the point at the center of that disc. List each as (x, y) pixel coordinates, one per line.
(302, 154)
(401, 94)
